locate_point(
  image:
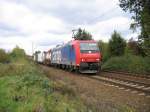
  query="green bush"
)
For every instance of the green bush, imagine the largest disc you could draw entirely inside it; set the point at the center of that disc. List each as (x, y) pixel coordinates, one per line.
(3, 56)
(17, 53)
(130, 63)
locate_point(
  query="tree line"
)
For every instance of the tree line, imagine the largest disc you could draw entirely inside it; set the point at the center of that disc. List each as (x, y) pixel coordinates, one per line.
(117, 45)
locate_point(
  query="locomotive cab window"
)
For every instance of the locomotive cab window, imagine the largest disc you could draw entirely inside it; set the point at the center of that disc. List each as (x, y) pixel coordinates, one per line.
(88, 47)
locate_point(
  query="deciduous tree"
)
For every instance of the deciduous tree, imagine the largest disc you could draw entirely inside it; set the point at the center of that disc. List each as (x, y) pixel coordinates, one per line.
(117, 44)
(82, 35)
(141, 16)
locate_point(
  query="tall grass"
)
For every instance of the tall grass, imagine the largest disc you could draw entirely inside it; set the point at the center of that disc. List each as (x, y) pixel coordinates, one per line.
(24, 88)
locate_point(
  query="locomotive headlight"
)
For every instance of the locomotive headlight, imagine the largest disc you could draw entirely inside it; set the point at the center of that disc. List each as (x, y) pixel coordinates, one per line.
(97, 59)
(82, 59)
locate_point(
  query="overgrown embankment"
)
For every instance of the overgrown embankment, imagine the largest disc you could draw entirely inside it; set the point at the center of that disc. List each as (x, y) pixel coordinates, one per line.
(129, 63)
(25, 88)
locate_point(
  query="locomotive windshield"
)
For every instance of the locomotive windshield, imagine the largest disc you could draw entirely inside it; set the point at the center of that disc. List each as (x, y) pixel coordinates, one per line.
(88, 47)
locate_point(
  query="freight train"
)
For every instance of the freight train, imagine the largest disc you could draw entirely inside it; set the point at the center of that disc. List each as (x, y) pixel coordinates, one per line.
(77, 55)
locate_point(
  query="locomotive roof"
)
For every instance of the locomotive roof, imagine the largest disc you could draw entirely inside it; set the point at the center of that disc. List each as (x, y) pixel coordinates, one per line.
(72, 42)
(80, 41)
(84, 40)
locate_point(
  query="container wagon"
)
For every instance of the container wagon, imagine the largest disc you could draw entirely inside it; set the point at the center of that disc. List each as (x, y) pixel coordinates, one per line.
(47, 57)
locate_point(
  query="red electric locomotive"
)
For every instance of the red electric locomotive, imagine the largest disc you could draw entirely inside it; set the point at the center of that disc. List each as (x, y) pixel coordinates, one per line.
(88, 56)
(81, 55)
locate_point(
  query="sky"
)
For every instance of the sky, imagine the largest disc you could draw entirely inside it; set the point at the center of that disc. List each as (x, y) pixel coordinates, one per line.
(42, 24)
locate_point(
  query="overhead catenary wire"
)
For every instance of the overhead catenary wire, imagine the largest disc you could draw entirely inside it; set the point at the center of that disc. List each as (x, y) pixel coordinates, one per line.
(104, 14)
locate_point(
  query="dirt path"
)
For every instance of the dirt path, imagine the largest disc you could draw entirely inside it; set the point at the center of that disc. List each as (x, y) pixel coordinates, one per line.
(99, 96)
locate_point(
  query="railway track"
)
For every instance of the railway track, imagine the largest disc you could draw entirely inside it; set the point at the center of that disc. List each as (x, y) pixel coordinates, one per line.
(128, 85)
(145, 76)
(123, 79)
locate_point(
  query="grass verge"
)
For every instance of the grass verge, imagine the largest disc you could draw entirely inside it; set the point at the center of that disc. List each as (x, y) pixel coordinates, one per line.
(24, 88)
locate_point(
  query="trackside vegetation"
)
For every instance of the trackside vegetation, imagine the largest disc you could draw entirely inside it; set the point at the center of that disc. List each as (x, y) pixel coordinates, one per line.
(117, 44)
(125, 56)
(25, 88)
(128, 63)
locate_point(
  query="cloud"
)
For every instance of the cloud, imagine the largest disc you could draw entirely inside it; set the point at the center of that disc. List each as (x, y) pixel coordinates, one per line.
(46, 23)
(103, 29)
(75, 11)
(22, 26)
(20, 17)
